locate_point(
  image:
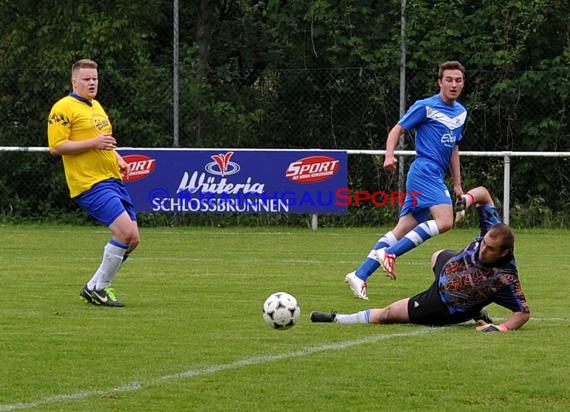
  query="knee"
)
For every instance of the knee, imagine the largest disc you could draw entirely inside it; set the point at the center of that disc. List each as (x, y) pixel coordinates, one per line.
(444, 225)
(376, 316)
(134, 242)
(129, 236)
(133, 239)
(396, 312)
(384, 315)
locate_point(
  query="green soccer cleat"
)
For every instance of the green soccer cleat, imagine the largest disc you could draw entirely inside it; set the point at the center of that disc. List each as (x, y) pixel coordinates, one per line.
(106, 297)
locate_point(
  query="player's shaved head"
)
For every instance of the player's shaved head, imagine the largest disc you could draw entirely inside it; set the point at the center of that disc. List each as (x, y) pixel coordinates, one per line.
(82, 64)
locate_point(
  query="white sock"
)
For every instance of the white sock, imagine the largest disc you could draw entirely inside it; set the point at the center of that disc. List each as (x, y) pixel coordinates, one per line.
(358, 317)
(110, 265)
(387, 240)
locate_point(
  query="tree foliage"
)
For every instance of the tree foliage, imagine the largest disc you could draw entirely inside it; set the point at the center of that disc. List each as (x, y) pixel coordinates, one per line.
(299, 74)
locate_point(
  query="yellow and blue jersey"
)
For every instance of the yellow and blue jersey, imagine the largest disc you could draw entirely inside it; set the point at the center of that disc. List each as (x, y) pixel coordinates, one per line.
(74, 118)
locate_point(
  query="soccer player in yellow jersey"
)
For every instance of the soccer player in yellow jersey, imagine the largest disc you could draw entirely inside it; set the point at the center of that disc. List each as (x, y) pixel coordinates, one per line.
(80, 132)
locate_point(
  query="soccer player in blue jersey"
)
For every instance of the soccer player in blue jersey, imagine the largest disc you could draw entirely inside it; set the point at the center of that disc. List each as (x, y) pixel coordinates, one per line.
(80, 132)
(438, 122)
(484, 272)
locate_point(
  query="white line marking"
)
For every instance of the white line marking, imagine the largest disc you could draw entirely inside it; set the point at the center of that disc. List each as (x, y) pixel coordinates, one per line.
(209, 370)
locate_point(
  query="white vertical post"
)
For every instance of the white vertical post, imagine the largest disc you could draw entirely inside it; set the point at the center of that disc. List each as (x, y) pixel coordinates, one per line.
(314, 221)
(175, 76)
(506, 189)
(402, 159)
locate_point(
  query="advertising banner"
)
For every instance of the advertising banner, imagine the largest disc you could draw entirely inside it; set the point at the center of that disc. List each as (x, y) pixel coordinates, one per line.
(236, 181)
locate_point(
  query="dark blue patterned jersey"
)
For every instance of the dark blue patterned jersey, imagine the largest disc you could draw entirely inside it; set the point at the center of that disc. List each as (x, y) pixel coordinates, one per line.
(466, 284)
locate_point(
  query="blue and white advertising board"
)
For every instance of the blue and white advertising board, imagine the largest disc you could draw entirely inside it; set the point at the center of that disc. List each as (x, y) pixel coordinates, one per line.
(236, 181)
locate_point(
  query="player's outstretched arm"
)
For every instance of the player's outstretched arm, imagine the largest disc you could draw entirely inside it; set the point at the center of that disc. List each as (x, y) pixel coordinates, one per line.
(476, 196)
(481, 196)
(515, 321)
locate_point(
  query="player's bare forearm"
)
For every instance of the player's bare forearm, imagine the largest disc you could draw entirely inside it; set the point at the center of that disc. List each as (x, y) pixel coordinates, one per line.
(516, 320)
(123, 166)
(390, 160)
(481, 196)
(455, 168)
(72, 147)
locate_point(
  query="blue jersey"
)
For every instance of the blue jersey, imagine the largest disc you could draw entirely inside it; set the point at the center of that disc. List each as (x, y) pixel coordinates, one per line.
(439, 127)
(466, 284)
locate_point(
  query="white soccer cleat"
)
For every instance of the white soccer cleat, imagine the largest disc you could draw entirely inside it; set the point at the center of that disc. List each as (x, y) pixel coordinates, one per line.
(388, 262)
(358, 286)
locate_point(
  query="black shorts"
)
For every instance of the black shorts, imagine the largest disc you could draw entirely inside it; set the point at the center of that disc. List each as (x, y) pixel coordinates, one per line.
(426, 308)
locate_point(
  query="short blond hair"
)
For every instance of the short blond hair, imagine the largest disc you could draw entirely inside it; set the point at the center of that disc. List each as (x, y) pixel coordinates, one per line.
(82, 64)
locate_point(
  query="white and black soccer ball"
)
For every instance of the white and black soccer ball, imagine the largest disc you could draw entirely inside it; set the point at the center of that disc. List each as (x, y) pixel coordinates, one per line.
(281, 310)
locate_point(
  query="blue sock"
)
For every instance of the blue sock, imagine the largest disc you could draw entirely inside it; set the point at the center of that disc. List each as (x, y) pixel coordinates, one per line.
(415, 237)
(370, 264)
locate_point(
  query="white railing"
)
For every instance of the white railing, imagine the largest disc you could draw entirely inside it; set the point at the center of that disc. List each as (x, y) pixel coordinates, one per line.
(506, 155)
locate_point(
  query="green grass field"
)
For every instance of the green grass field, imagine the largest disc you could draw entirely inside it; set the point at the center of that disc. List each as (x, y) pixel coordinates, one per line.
(192, 338)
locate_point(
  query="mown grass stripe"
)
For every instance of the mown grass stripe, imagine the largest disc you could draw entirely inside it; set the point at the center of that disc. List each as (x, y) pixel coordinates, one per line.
(209, 370)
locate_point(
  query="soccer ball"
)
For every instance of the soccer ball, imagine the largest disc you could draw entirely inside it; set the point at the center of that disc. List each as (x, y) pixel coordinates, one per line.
(281, 310)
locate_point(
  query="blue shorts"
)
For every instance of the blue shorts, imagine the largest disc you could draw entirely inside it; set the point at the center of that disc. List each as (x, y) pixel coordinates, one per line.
(106, 201)
(425, 179)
